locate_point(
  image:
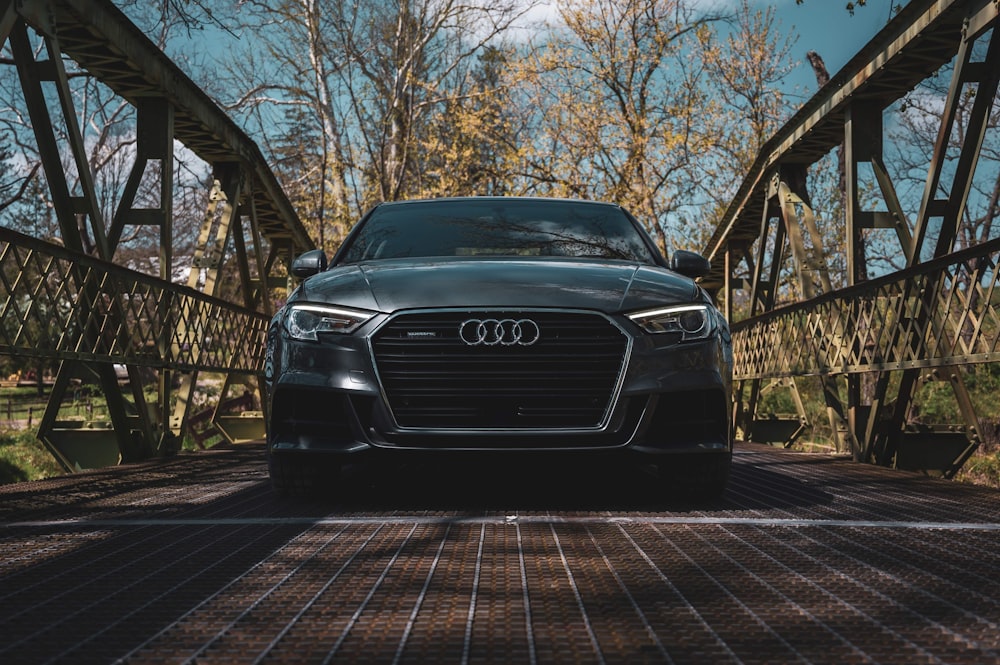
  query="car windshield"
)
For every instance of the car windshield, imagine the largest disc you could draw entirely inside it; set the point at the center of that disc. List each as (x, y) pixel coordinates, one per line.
(516, 228)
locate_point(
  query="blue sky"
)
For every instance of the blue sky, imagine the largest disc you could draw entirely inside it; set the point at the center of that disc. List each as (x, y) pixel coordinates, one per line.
(826, 27)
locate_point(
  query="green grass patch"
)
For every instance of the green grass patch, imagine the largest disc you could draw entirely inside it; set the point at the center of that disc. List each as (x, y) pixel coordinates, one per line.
(23, 457)
(983, 468)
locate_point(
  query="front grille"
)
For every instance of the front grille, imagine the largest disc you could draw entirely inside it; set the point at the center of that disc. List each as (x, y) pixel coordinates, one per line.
(432, 379)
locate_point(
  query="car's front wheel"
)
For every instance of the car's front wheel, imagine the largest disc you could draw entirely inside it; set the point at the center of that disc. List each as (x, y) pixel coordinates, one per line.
(302, 475)
(702, 476)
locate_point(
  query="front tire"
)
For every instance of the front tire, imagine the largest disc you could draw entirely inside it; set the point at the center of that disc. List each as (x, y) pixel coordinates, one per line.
(302, 475)
(701, 476)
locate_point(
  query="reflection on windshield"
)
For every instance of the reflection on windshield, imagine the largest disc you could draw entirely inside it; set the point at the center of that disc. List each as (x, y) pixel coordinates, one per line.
(497, 228)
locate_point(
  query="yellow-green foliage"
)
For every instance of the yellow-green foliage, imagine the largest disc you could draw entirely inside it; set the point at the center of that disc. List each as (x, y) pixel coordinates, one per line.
(982, 469)
(23, 457)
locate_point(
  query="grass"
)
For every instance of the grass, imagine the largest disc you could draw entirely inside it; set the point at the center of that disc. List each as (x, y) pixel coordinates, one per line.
(983, 468)
(23, 457)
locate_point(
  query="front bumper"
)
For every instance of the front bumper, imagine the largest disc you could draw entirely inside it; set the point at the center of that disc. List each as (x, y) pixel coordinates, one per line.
(327, 397)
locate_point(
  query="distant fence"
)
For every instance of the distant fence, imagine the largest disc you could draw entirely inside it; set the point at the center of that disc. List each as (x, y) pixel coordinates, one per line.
(22, 407)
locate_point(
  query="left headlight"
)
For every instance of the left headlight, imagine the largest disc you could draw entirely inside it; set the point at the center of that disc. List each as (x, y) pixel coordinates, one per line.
(690, 321)
(308, 321)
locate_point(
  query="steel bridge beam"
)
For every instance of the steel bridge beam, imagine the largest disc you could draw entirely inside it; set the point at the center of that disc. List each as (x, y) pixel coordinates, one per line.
(70, 303)
(7, 18)
(101, 39)
(886, 337)
(922, 37)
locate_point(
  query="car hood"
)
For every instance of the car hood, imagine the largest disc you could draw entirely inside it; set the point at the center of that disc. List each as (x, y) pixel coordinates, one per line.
(389, 286)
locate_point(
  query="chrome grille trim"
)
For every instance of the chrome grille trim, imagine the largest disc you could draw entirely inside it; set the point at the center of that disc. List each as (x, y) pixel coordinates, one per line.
(566, 351)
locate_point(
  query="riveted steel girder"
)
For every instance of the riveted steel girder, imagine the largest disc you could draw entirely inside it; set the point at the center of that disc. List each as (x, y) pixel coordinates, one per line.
(101, 39)
(885, 337)
(922, 37)
(7, 18)
(69, 302)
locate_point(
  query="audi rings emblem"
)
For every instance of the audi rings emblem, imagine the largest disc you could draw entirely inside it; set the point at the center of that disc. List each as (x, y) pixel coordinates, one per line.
(502, 332)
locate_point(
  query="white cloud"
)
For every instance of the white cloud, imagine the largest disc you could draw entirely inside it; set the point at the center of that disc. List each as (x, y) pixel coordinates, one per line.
(538, 16)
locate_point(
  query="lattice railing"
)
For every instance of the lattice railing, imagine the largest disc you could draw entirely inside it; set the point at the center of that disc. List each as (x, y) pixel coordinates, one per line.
(940, 313)
(58, 304)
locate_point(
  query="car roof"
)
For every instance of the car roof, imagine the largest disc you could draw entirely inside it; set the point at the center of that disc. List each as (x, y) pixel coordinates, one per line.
(486, 199)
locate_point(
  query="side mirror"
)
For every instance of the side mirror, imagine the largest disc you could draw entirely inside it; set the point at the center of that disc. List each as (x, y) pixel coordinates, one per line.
(690, 264)
(309, 263)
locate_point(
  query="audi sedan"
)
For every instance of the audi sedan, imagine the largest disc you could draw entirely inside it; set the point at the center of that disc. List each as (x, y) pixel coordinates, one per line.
(512, 325)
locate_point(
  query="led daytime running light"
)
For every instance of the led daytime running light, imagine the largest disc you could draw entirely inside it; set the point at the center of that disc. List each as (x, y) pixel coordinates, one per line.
(308, 321)
(691, 322)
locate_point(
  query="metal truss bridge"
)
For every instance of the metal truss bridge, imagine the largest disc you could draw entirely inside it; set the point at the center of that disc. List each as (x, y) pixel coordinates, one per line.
(191, 557)
(872, 343)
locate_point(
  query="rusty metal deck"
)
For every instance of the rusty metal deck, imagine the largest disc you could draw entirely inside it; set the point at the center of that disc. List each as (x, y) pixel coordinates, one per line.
(807, 559)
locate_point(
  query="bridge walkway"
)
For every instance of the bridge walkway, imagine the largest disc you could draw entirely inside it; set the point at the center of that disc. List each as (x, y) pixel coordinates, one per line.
(808, 558)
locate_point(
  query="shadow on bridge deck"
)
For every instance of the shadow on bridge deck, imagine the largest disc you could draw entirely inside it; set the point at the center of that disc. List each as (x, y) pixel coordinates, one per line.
(807, 557)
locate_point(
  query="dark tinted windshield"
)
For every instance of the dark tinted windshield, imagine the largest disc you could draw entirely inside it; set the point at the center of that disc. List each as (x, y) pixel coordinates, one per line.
(497, 228)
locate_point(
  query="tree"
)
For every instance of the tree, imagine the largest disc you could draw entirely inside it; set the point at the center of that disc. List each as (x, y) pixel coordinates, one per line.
(744, 62)
(371, 78)
(470, 146)
(192, 15)
(655, 105)
(614, 106)
(850, 6)
(13, 184)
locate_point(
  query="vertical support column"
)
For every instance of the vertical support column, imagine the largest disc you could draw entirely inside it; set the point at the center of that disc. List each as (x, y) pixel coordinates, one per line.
(727, 290)
(793, 230)
(945, 202)
(949, 209)
(73, 214)
(932, 207)
(85, 207)
(254, 296)
(242, 261)
(792, 195)
(810, 266)
(727, 285)
(223, 202)
(154, 145)
(863, 131)
(763, 291)
(87, 204)
(862, 143)
(30, 72)
(209, 258)
(260, 300)
(7, 18)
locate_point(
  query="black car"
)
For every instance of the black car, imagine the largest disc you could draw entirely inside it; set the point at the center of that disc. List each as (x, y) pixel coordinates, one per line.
(519, 325)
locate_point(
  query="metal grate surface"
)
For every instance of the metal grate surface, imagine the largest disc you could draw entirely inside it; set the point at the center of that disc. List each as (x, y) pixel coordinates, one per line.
(565, 379)
(808, 558)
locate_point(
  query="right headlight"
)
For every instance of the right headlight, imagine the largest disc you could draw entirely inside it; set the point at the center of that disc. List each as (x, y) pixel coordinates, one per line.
(307, 321)
(691, 322)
